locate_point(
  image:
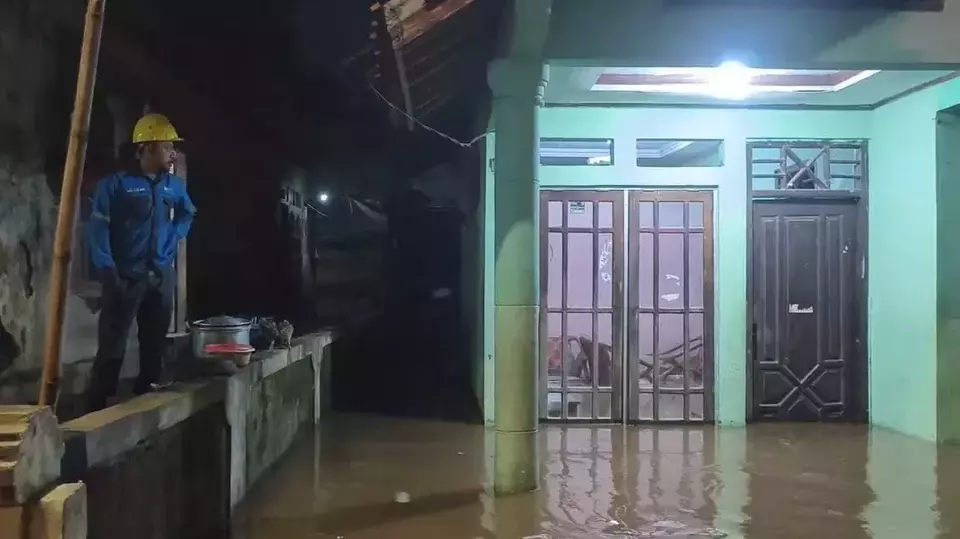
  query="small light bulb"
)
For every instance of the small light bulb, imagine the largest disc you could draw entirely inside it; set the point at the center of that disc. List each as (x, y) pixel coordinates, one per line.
(323, 197)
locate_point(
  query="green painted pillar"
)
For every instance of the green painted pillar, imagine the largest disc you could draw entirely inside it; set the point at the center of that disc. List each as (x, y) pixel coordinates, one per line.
(518, 93)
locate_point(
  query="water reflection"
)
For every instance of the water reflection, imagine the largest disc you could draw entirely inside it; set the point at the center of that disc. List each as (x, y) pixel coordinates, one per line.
(806, 479)
(768, 481)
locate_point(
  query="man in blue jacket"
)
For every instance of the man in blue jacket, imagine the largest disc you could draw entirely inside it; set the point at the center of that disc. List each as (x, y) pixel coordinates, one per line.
(138, 219)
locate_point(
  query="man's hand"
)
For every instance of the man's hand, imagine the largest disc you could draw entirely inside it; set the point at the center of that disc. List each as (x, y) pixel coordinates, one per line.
(110, 279)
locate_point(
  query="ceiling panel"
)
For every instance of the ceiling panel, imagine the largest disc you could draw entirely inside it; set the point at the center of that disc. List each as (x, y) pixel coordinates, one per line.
(574, 85)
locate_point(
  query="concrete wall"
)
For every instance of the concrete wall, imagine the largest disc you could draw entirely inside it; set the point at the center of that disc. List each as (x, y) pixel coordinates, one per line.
(729, 182)
(176, 463)
(659, 33)
(171, 483)
(903, 264)
(269, 403)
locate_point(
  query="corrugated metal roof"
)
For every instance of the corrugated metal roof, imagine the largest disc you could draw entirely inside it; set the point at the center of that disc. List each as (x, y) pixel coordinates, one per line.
(425, 56)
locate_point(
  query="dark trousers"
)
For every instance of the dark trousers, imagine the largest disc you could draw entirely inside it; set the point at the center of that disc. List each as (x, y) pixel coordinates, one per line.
(148, 301)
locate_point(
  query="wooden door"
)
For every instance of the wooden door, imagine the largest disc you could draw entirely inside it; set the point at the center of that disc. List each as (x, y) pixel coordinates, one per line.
(807, 285)
(581, 287)
(670, 306)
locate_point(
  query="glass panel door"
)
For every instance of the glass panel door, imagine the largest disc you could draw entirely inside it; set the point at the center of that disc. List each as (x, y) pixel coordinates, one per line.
(581, 318)
(670, 306)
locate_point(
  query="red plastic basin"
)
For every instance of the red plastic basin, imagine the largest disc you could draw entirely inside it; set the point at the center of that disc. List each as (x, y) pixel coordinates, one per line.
(227, 349)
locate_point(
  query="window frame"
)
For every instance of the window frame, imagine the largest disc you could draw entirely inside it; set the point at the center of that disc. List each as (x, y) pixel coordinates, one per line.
(611, 144)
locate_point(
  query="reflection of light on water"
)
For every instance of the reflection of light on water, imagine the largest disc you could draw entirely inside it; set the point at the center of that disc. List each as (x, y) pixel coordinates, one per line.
(613, 482)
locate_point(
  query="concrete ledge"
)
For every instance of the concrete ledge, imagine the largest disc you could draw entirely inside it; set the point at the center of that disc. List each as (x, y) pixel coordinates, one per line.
(101, 436)
(307, 346)
(168, 464)
(154, 462)
(61, 514)
(98, 438)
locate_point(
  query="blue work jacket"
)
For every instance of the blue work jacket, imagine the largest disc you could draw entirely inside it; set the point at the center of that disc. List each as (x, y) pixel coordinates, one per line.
(137, 222)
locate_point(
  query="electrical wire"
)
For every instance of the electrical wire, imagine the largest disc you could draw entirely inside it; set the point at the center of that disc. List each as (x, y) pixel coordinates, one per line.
(312, 207)
(460, 143)
(392, 15)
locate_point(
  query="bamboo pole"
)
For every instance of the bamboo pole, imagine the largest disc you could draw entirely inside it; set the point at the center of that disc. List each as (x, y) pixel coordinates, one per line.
(66, 217)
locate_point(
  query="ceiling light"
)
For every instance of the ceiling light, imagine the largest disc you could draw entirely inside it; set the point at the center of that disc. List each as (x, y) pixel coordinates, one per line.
(730, 80)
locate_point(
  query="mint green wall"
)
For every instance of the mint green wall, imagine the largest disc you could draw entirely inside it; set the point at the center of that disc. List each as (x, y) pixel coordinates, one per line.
(902, 310)
(902, 262)
(902, 267)
(735, 127)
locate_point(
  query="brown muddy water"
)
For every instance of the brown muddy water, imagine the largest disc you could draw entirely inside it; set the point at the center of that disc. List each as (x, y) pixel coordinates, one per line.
(363, 477)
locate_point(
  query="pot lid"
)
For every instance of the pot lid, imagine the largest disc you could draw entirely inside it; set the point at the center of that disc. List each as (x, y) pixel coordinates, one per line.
(222, 321)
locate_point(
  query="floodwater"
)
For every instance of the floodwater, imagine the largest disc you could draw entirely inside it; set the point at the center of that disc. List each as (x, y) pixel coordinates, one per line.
(363, 477)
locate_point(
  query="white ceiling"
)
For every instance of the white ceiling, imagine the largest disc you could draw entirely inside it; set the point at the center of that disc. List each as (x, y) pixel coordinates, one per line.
(572, 85)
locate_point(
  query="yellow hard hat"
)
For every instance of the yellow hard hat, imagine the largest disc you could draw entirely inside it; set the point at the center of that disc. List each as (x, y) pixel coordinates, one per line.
(155, 128)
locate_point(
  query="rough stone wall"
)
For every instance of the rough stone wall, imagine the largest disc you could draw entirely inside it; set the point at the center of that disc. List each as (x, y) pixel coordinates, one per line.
(27, 214)
(39, 48)
(27, 207)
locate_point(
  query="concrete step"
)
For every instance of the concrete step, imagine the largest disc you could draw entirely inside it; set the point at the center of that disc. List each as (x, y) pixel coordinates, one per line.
(6, 473)
(12, 432)
(9, 450)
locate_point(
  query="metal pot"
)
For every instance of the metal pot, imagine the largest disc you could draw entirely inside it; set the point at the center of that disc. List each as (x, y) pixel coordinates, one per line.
(218, 330)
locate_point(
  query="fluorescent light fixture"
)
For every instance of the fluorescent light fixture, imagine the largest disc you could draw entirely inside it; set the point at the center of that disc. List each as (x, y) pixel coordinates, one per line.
(730, 81)
(863, 75)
